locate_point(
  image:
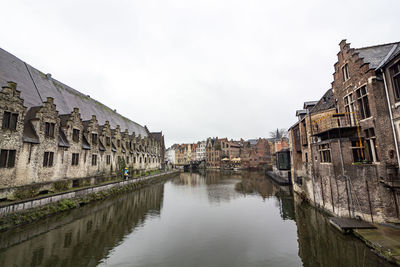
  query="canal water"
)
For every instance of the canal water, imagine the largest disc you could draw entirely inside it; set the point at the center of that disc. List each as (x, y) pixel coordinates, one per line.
(196, 219)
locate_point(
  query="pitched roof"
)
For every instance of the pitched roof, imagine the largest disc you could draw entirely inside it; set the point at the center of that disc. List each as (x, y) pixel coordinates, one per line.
(62, 139)
(375, 55)
(35, 87)
(29, 135)
(326, 102)
(309, 103)
(301, 112)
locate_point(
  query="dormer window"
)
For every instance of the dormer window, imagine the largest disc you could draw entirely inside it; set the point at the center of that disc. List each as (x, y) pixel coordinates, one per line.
(75, 135)
(10, 120)
(118, 143)
(49, 129)
(94, 139)
(108, 141)
(345, 70)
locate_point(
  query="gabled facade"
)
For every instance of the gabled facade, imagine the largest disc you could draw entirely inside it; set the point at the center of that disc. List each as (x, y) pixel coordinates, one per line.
(46, 141)
(349, 163)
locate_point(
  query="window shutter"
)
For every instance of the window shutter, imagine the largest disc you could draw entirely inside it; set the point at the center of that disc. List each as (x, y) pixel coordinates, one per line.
(45, 159)
(6, 120)
(13, 121)
(11, 159)
(3, 158)
(51, 156)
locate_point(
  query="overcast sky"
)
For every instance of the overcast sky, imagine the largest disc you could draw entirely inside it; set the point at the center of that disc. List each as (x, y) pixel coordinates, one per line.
(195, 69)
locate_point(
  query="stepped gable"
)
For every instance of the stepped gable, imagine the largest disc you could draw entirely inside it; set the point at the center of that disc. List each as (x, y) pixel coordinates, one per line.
(36, 86)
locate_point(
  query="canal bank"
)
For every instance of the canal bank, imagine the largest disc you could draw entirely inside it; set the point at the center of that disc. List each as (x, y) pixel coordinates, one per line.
(384, 240)
(30, 210)
(194, 219)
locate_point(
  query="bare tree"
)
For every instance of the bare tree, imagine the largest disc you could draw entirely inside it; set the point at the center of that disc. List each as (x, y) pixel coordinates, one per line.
(278, 134)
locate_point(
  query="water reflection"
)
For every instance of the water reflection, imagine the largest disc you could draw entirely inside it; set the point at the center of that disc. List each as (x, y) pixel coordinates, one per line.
(81, 237)
(322, 245)
(197, 219)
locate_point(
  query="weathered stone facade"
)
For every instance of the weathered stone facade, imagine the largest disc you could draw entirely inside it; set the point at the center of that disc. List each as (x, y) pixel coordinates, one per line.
(39, 145)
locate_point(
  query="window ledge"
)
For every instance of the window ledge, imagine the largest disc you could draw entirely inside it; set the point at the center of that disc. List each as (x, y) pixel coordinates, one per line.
(366, 119)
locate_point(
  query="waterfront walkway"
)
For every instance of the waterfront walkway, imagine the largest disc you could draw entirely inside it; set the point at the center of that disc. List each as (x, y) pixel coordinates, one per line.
(385, 239)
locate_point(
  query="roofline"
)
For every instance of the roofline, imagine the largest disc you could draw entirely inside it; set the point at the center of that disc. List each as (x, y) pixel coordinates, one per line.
(373, 46)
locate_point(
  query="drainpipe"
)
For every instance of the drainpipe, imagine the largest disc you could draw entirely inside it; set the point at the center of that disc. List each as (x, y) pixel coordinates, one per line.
(391, 118)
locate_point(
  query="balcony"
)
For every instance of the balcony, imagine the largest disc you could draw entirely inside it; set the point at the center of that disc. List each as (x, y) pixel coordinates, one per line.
(334, 125)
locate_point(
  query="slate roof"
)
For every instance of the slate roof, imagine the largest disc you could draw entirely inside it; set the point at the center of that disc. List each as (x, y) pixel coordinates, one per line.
(326, 102)
(375, 55)
(301, 112)
(62, 139)
(29, 135)
(35, 87)
(309, 103)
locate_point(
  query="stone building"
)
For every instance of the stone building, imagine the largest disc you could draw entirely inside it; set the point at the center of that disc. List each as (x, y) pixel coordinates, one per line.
(51, 132)
(343, 152)
(230, 149)
(256, 154)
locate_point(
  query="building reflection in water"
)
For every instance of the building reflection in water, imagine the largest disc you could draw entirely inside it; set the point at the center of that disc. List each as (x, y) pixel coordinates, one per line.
(258, 183)
(87, 234)
(322, 245)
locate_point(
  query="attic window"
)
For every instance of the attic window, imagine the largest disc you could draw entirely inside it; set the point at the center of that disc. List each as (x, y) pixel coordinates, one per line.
(108, 141)
(345, 70)
(94, 139)
(49, 130)
(10, 120)
(75, 135)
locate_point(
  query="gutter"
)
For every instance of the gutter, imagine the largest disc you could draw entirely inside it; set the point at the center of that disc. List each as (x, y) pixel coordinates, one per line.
(391, 118)
(380, 67)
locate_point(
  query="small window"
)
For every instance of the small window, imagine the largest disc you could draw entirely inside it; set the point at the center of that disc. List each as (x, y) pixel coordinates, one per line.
(325, 153)
(345, 70)
(7, 158)
(127, 160)
(75, 135)
(48, 159)
(358, 151)
(370, 140)
(49, 129)
(108, 159)
(94, 160)
(10, 121)
(75, 159)
(118, 143)
(94, 139)
(108, 141)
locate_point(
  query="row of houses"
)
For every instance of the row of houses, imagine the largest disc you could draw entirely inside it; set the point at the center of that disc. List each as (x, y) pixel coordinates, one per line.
(220, 153)
(344, 149)
(51, 132)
